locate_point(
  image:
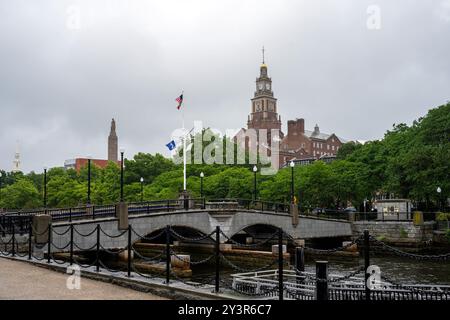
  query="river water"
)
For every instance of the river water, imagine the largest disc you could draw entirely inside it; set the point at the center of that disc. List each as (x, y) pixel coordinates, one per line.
(400, 270)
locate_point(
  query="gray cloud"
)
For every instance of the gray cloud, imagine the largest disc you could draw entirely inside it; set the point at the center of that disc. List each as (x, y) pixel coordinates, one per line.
(60, 86)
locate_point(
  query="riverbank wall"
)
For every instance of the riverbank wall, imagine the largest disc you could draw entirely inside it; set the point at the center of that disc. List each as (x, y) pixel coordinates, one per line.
(397, 233)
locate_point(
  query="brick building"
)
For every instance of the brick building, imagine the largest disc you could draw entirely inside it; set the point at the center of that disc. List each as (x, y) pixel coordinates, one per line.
(298, 143)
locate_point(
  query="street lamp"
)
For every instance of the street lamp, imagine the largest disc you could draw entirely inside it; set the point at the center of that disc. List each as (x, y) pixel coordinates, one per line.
(292, 164)
(122, 151)
(255, 169)
(439, 190)
(45, 187)
(202, 175)
(142, 189)
(89, 181)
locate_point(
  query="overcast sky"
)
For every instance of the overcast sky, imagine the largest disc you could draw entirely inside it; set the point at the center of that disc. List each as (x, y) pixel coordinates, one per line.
(68, 67)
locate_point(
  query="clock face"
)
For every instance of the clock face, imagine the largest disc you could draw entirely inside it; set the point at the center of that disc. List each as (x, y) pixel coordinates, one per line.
(268, 86)
(260, 86)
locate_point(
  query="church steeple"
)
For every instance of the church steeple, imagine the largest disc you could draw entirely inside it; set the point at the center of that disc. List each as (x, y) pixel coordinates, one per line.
(16, 161)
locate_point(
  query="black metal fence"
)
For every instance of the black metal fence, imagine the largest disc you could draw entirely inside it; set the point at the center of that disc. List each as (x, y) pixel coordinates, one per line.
(264, 281)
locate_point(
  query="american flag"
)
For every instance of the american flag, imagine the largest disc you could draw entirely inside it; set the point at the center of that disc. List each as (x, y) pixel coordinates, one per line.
(180, 101)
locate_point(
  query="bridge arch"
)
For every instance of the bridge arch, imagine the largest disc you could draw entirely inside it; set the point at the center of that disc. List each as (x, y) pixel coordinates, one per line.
(243, 220)
(255, 230)
(180, 232)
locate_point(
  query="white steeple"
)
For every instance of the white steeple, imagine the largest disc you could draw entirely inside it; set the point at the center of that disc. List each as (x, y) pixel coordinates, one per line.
(16, 162)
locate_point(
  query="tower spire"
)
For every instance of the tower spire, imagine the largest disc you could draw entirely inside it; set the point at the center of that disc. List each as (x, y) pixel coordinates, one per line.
(112, 142)
(263, 50)
(16, 162)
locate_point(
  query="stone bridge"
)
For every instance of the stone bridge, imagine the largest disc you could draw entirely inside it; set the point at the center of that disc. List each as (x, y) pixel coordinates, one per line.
(230, 221)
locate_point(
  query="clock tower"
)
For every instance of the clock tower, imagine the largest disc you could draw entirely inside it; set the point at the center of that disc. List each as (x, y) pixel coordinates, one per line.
(264, 106)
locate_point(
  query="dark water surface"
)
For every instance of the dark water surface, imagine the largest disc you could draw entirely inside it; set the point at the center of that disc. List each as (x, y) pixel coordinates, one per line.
(401, 270)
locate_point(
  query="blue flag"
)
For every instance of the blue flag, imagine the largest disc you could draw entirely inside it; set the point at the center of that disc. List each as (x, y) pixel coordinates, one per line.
(171, 145)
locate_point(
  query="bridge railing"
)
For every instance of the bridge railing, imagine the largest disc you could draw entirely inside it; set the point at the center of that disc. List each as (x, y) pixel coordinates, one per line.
(392, 216)
(250, 204)
(22, 218)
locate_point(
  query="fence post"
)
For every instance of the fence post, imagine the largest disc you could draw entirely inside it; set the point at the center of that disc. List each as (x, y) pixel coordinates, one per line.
(49, 242)
(70, 214)
(71, 244)
(366, 262)
(280, 264)
(217, 244)
(13, 241)
(129, 252)
(186, 202)
(97, 251)
(299, 262)
(30, 234)
(300, 259)
(321, 280)
(167, 254)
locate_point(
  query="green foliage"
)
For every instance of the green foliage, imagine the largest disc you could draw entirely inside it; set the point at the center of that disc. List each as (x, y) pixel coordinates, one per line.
(443, 216)
(146, 166)
(447, 235)
(403, 233)
(21, 194)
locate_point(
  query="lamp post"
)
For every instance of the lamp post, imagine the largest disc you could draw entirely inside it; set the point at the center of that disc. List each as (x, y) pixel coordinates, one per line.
(439, 190)
(255, 169)
(142, 189)
(122, 151)
(1, 176)
(202, 175)
(45, 187)
(292, 164)
(89, 181)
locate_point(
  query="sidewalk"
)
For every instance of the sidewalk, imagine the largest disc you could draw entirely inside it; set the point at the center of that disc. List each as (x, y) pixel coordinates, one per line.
(20, 280)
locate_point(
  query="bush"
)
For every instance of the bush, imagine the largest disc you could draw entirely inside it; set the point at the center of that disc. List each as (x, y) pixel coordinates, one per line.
(447, 235)
(443, 216)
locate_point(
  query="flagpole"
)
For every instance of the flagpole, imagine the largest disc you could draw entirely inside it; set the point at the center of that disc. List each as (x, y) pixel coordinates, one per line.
(184, 146)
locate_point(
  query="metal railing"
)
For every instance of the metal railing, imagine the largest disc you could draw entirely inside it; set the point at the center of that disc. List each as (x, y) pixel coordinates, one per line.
(22, 219)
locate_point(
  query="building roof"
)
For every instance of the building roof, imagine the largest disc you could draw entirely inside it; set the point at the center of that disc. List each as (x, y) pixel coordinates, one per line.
(321, 136)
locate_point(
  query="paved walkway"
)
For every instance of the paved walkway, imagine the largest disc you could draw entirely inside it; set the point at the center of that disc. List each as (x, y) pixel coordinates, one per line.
(20, 280)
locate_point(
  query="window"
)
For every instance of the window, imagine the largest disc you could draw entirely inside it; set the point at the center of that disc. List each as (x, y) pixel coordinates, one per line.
(328, 147)
(332, 148)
